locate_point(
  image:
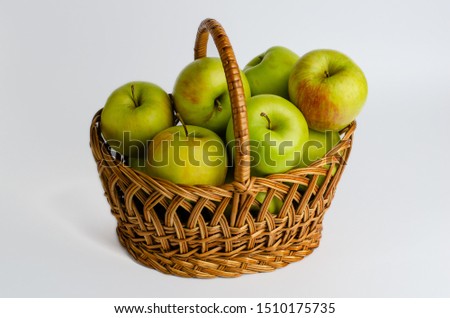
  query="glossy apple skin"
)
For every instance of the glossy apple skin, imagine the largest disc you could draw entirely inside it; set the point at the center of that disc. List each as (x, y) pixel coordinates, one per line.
(278, 149)
(268, 73)
(198, 159)
(127, 127)
(329, 89)
(201, 94)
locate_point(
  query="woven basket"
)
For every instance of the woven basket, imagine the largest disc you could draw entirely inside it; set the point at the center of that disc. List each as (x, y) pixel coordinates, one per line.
(211, 231)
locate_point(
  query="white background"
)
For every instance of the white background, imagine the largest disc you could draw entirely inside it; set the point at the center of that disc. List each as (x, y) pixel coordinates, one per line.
(386, 233)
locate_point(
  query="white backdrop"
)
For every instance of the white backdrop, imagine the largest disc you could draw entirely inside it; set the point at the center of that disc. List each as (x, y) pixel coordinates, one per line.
(386, 233)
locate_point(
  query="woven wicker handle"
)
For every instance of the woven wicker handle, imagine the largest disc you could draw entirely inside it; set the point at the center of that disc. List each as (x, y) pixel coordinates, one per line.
(235, 88)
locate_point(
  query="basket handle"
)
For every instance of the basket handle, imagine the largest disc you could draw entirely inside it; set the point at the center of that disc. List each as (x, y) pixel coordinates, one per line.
(236, 91)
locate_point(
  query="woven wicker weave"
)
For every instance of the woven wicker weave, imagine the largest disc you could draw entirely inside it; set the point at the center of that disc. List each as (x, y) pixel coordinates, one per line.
(209, 231)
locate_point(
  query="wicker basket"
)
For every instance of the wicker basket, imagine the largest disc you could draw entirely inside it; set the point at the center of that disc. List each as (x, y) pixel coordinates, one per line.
(210, 231)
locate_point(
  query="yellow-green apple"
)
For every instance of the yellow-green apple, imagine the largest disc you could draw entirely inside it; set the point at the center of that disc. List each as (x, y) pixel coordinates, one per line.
(189, 155)
(277, 131)
(317, 146)
(268, 73)
(137, 163)
(275, 204)
(133, 114)
(329, 88)
(201, 94)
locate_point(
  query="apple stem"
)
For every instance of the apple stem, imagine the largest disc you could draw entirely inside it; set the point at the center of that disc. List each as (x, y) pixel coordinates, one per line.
(182, 123)
(133, 96)
(263, 114)
(218, 104)
(327, 74)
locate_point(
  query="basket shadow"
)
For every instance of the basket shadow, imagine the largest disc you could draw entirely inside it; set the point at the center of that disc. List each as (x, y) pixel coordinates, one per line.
(85, 217)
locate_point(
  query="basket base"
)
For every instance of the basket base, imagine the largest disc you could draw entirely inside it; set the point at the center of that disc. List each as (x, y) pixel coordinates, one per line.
(193, 266)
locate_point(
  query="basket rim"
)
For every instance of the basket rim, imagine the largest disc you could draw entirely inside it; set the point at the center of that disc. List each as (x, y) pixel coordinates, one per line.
(315, 167)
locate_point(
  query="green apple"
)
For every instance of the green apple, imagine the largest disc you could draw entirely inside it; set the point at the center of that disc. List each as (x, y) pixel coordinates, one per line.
(133, 114)
(277, 132)
(189, 155)
(230, 175)
(268, 73)
(275, 204)
(137, 163)
(329, 88)
(201, 94)
(317, 146)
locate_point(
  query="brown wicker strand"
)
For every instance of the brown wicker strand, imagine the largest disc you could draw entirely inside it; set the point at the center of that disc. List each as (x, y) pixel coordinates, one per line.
(236, 90)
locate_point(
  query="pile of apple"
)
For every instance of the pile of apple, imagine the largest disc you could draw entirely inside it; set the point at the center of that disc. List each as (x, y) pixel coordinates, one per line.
(295, 105)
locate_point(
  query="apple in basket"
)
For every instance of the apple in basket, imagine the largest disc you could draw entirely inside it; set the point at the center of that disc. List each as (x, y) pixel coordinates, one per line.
(329, 88)
(268, 73)
(189, 155)
(318, 145)
(137, 163)
(201, 94)
(274, 206)
(133, 114)
(277, 131)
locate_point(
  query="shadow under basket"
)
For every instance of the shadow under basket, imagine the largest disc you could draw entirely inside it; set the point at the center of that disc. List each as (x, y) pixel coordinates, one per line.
(220, 231)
